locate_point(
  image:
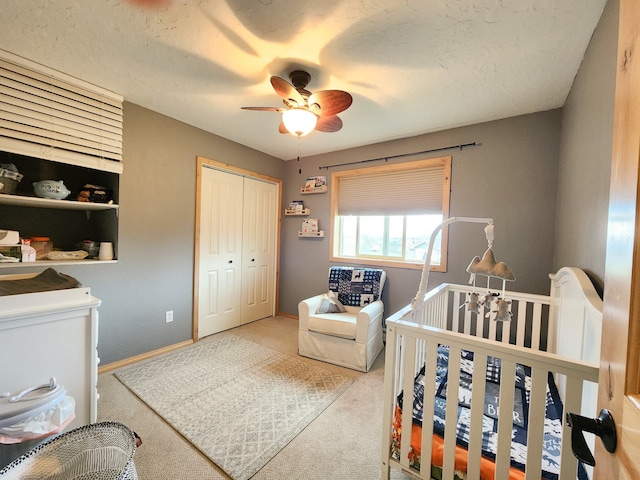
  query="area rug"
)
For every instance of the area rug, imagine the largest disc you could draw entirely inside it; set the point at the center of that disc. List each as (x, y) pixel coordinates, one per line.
(236, 401)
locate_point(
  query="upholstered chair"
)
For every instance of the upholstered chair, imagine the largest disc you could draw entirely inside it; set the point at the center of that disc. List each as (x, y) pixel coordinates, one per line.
(344, 325)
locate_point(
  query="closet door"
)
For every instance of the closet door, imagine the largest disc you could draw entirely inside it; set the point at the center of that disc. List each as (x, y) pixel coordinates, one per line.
(220, 246)
(260, 218)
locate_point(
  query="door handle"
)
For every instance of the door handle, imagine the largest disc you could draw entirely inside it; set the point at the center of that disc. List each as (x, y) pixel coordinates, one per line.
(603, 427)
(230, 261)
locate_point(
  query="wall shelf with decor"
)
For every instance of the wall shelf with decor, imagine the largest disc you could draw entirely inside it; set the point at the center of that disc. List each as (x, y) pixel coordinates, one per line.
(293, 213)
(318, 234)
(317, 184)
(322, 189)
(310, 229)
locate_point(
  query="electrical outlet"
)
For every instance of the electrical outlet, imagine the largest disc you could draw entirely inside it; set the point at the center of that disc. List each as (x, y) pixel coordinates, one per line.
(168, 317)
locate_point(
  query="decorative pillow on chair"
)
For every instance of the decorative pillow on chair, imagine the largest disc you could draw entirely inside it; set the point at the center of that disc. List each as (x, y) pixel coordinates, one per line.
(330, 304)
(356, 287)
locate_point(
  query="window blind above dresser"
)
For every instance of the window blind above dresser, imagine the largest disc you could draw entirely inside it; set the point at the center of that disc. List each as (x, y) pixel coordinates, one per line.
(50, 115)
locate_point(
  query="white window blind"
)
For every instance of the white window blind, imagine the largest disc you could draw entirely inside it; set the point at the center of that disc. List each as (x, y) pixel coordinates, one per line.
(412, 191)
(47, 114)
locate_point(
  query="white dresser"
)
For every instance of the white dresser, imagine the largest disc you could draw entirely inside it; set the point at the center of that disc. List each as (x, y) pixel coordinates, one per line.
(52, 334)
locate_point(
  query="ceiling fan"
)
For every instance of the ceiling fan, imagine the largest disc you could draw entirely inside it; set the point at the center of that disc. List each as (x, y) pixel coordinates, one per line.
(305, 111)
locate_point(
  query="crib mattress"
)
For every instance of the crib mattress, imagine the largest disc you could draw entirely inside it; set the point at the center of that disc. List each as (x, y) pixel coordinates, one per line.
(520, 409)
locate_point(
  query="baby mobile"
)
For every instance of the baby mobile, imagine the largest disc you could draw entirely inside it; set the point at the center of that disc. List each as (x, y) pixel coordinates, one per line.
(499, 309)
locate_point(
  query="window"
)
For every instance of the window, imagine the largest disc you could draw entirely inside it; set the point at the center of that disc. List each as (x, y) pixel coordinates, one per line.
(385, 215)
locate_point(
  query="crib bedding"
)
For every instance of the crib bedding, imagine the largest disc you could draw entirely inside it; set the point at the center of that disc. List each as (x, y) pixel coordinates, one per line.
(522, 389)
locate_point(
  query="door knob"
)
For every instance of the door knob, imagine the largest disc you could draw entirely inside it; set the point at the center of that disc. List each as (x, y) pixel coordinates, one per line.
(603, 427)
(230, 261)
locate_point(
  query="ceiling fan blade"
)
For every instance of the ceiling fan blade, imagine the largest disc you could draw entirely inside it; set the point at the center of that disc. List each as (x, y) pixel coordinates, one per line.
(331, 102)
(287, 91)
(282, 128)
(331, 123)
(265, 109)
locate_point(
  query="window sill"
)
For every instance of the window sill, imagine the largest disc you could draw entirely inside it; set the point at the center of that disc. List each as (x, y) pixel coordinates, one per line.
(385, 263)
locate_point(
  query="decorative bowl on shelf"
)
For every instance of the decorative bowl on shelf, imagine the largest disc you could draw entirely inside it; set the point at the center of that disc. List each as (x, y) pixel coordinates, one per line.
(54, 189)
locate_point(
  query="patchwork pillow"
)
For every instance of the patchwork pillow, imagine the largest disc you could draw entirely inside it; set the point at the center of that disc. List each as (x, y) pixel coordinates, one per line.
(356, 287)
(330, 304)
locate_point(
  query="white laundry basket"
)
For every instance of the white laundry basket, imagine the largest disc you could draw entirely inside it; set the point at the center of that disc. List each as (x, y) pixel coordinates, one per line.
(100, 451)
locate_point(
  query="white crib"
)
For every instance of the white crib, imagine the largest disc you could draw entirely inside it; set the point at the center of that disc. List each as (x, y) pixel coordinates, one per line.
(557, 334)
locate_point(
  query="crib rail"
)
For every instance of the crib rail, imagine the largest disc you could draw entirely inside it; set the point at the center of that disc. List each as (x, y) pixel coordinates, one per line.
(410, 345)
(445, 307)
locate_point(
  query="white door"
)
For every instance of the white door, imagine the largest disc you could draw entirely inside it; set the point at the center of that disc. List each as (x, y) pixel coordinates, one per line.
(220, 251)
(260, 219)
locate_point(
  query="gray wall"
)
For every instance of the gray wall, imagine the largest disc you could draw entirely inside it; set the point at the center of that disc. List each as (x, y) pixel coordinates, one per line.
(511, 176)
(585, 154)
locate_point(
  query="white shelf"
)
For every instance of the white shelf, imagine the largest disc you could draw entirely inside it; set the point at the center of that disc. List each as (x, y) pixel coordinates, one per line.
(322, 189)
(319, 234)
(38, 202)
(50, 263)
(298, 213)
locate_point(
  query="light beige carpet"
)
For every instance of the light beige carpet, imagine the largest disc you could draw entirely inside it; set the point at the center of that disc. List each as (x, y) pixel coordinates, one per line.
(238, 402)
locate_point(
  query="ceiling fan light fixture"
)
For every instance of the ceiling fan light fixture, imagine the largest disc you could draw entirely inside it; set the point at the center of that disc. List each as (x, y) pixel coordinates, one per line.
(299, 121)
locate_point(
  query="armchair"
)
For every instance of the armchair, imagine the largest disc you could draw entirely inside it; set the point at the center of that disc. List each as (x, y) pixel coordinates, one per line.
(344, 326)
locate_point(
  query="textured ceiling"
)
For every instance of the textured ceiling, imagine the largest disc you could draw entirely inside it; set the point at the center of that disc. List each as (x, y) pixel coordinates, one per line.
(412, 66)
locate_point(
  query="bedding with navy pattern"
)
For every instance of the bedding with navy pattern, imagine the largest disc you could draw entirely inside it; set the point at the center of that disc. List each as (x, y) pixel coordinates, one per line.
(552, 421)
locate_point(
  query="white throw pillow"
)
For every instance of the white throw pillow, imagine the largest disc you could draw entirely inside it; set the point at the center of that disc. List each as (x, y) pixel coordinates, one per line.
(330, 304)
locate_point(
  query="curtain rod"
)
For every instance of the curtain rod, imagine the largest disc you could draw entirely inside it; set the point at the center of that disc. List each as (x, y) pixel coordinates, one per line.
(461, 146)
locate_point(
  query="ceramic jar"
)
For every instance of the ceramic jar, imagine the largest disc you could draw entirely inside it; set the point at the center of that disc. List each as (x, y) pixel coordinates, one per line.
(54, 189)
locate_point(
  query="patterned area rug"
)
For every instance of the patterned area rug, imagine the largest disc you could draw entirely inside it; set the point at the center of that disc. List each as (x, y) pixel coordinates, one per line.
(236, 401)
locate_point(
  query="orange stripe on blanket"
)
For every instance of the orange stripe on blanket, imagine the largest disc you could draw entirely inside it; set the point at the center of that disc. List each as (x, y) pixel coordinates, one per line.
(487, 466)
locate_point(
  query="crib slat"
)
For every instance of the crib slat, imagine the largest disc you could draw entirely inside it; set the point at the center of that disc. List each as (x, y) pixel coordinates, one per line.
(467, 321)
(458, 299)
(522, 323)
(535, 331)
(492, 329)
(569, 463)
(409, 344)
(477, 411)
(505, 421)
(504, 330)
(535, 433)
(390, 392)
(429, 400)
(451, 412)
(443, 312)
(480, 324)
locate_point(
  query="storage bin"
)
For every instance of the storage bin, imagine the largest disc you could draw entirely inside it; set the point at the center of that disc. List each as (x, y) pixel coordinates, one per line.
(9, 180)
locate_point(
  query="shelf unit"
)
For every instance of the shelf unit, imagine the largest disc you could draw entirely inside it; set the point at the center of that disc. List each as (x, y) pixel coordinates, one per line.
(297, 213)
(37, 202)
(322, 189)
(318, 234)
(67, 222)
(51, 263)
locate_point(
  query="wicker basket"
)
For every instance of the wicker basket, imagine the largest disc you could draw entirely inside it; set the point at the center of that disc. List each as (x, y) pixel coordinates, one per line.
(100, 451)
(9, 180)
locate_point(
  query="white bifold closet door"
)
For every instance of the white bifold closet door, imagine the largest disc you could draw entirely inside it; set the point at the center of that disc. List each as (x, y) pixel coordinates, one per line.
(237, 254)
